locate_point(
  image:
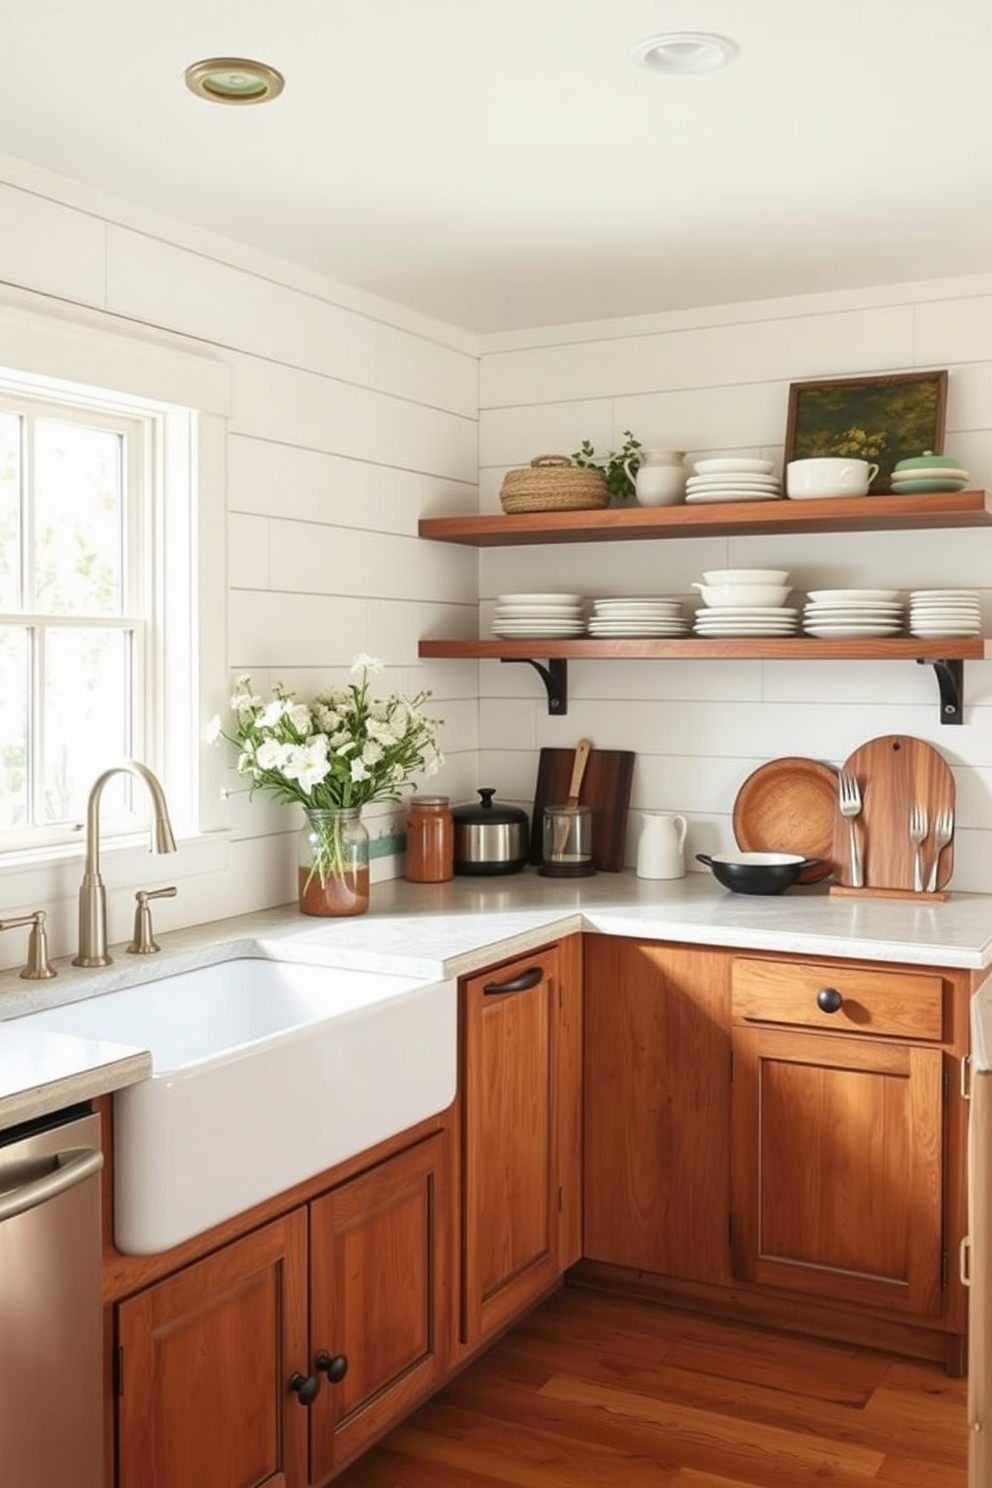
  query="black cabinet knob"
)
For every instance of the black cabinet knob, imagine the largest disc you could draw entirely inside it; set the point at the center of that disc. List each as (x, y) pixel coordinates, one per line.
(335, 1366)
(829, 1000)
(306, 1386)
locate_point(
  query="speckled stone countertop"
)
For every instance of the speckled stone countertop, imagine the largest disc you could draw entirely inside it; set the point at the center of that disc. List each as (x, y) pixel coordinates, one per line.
(446, 930)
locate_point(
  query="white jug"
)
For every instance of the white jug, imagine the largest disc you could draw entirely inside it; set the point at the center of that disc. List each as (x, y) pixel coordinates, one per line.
(660, 845)
(659, 479)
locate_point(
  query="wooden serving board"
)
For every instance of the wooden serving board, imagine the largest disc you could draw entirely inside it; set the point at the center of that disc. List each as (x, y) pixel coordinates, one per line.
(894, 773)
(605, 790)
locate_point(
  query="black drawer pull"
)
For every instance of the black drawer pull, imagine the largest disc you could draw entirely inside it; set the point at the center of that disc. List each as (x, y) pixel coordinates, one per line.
(528, 978)
(829, 1000)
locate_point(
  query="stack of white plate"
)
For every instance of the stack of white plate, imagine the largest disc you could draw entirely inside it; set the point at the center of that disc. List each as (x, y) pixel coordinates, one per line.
(746, 620)
(732, 478)
(637, 617)
(835, 614)
(944, 612)
(518, 616)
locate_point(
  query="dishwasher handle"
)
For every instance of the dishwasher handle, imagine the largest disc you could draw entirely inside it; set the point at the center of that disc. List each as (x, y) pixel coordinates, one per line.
(72, 1166)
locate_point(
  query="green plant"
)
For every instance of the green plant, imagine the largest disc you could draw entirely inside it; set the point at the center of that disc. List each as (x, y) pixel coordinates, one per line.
(619, 481)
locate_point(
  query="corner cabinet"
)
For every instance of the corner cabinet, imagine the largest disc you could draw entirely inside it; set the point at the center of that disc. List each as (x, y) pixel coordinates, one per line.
(618, 524)
(521, 1124)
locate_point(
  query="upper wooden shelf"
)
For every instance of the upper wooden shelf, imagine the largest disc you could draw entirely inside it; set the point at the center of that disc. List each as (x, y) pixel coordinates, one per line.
(624, 524)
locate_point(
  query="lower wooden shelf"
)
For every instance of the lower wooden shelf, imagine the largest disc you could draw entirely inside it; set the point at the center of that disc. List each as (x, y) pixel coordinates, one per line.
(947, 656)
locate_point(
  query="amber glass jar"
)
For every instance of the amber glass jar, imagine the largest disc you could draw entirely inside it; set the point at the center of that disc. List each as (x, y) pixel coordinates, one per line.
(430, 840)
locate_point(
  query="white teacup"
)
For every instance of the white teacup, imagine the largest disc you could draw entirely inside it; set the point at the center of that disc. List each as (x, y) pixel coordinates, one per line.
(828, 476)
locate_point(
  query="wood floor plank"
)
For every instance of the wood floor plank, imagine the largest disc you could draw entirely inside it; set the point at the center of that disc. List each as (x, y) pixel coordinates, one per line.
(592, 1391)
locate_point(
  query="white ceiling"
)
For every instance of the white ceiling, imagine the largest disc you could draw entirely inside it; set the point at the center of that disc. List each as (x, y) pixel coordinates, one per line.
(502, 163)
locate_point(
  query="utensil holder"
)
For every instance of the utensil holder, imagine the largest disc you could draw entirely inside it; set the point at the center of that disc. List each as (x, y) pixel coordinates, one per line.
(567, 842)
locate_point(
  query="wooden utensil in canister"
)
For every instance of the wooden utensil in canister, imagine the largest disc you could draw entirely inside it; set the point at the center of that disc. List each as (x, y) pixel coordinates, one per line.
(579, 763)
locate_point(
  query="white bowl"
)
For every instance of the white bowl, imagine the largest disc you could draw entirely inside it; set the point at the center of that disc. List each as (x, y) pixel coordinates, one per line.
(719, 596)
(738, 464)
(746, 576)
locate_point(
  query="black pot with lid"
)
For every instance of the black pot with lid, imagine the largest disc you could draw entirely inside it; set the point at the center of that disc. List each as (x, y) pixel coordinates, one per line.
(490, 837)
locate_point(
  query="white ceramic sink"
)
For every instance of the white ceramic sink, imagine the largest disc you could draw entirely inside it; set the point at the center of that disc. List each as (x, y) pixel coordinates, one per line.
(265, 1073)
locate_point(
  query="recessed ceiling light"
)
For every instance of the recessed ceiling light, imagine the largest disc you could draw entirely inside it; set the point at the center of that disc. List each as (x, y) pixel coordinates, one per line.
(234, 80)
(685, 52)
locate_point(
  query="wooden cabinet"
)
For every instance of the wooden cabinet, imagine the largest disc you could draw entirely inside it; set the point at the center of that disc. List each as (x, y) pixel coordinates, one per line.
(379, 1268)
(656, 1107)
(520, 1074)
(281, 1356)
(842, 1187)
(205, 1361)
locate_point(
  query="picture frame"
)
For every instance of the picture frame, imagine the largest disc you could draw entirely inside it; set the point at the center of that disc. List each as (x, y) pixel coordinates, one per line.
(883, 419)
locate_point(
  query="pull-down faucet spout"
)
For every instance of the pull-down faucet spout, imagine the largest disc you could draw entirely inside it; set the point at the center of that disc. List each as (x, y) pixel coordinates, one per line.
(92, 895)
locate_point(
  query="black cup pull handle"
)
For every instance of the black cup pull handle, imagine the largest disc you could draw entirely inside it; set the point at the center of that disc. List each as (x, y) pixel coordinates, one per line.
(335, 1366)
(305, 1386)
(528, 978)
(829, 1000)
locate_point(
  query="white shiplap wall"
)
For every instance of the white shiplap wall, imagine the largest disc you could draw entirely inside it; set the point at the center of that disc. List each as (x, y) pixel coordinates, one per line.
(713, 382)
(348, 420)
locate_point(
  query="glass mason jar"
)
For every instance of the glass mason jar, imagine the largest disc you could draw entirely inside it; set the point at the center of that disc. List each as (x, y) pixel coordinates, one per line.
(334, 863)
(430, 840)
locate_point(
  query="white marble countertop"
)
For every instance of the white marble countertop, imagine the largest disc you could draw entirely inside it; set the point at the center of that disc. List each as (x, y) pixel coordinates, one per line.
(446, 930)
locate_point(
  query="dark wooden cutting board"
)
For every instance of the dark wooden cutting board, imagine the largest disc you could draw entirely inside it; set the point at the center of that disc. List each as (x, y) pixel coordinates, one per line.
(605, 790)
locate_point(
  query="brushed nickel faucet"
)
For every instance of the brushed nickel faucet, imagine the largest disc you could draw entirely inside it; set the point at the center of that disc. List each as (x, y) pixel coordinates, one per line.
(38, 967)
(92, 895)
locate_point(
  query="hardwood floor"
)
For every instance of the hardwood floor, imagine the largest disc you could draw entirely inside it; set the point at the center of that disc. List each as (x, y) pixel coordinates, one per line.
(595, 1392)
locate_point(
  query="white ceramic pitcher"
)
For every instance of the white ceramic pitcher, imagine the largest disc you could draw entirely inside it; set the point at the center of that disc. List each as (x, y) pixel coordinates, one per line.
(659, 479)
(660, 845)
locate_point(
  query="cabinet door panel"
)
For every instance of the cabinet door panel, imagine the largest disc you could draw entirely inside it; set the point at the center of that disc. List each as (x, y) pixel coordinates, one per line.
(510, 1162)
(207, 1358)
(657, 1098)
(378, 1283)
(836, 1153)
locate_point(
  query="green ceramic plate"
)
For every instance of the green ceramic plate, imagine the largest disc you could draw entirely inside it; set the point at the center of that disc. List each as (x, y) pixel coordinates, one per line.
(928, 485)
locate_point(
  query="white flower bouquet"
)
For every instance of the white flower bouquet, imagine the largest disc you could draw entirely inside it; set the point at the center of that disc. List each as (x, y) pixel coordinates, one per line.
(341, 750)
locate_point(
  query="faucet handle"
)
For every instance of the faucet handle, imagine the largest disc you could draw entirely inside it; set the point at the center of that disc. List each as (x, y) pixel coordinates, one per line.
(38, 968)
(144, 943)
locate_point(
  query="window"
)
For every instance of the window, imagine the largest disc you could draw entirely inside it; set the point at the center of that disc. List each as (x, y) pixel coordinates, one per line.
(81, 646)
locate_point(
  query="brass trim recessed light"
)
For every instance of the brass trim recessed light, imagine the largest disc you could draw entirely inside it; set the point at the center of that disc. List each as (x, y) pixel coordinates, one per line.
(234, 80)
(685, 52)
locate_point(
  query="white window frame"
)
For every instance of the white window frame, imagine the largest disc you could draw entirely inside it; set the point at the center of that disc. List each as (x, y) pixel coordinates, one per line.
(188, 396)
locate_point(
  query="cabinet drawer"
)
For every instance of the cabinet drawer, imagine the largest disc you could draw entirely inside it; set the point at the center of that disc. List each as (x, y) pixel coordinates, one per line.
(897, 1003)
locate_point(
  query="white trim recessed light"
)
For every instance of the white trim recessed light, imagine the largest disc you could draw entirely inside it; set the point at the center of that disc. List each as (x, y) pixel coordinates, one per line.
(234, 80)
(681, 52)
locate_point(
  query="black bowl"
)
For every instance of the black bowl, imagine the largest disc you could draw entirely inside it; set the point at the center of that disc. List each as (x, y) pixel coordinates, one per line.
(756, 872)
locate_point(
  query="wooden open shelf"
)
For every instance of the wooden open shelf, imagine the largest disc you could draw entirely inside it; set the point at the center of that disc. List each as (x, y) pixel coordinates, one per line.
(730, 518)
(721, 519)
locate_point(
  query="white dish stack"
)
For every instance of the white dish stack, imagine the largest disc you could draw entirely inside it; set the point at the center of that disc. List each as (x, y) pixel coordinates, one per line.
(549, 616)
(935, 613)
(840, 614)
(658, 617)
(732, 478)
(745, 602)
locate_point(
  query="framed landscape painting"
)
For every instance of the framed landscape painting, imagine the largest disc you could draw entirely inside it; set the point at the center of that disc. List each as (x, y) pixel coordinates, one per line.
(882, 419)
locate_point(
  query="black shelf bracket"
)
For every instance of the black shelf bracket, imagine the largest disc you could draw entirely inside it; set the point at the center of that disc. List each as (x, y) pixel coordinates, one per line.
(950, 682)
(555, 679)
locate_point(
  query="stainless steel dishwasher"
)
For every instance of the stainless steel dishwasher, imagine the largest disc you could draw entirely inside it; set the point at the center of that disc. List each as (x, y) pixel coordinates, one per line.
(51, 1380)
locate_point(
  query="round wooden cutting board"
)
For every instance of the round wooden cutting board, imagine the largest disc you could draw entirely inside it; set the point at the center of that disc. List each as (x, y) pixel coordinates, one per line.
(895, 773)
(789, 805)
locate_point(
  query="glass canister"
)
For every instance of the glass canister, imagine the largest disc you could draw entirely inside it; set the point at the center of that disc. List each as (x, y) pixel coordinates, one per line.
(430, 840)
(567, 842)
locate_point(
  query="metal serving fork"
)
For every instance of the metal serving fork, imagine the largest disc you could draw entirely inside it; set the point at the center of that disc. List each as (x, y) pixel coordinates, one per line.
(849, 802)
(919, 825)
(943, 831)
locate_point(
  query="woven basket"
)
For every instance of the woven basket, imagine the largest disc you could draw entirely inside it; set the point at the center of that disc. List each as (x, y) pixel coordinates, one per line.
(553, 483)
